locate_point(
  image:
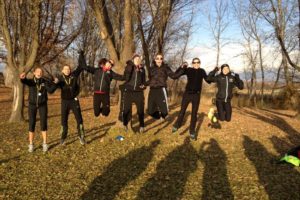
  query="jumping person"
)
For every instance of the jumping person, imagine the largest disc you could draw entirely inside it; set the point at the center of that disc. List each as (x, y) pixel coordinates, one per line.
(225, 81)
(158, 75)
(38, 98)
(195, 76)
(68, 83)
(134, 86)
(103, 75)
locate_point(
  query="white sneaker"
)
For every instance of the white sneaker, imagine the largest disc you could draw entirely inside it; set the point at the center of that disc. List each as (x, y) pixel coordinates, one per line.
(142, 129)
(30, 148)
(45, 147)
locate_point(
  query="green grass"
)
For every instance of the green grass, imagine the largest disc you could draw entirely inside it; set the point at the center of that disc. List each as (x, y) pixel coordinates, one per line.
(234, 162)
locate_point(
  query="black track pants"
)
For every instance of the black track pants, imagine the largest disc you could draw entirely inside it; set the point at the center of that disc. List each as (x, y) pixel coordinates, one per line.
(158, 103)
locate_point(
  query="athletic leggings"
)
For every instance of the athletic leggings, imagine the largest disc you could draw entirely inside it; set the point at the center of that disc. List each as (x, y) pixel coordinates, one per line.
(32, 112)
(137, 98)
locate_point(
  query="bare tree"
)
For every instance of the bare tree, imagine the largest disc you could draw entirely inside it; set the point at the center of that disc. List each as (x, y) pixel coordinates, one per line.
(34, 32)
(278, 14)
(218, 19)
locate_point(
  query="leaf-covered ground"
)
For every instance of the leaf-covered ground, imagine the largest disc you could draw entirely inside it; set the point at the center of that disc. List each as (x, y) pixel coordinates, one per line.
(234, 162)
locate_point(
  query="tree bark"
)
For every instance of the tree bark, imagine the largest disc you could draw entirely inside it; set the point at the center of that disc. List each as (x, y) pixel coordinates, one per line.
(18, 99)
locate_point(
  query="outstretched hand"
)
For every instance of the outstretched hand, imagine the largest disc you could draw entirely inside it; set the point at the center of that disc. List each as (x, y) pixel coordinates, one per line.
(142, 86)
(184, 65)
(216, 69)
(23, 75)
(81, 59)
(56, 80)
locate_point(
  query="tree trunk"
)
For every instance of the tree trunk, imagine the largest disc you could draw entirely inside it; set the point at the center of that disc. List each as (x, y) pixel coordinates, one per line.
(276, 81)
(18, 100)
(262, 71)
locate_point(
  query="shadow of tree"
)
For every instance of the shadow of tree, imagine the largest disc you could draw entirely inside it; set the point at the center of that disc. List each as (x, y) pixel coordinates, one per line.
(120, 172)
(293, 136)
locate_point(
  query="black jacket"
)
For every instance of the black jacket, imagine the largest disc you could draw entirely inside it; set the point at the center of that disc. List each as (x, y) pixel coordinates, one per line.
(103, 79)
(194, 79)
(158, 75)
(69, 84)
(225, 84)
(38, 89)
(134, 77)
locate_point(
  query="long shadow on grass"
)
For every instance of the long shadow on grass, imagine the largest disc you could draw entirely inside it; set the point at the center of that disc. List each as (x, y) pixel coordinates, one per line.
(280, 181)
(88, 133)
(166, 123)
(292, 134)
(171, 174)
(71, 113)
(215, 180)
(120, 172)
(152, 120)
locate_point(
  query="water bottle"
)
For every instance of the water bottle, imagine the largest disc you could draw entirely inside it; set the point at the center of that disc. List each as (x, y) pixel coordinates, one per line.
(120, 138)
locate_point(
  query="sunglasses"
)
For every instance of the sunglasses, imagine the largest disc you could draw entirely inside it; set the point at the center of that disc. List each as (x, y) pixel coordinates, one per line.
(159, 58)
(196, 62)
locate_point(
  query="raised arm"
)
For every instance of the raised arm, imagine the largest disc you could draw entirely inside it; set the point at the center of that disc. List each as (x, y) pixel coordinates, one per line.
(128, 71)
(212, 76)
(175, 75)
(26, 81)
(50, 86)
(117, 76)
(238, 82)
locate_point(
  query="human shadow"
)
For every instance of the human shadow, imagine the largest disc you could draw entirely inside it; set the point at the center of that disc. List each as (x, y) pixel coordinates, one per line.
(215, 180)
(281, 181)
(120, 172)
(171, 174)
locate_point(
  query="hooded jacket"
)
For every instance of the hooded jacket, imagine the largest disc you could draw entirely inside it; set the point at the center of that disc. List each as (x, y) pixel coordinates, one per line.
(103, 78)
(134, 77)
(225, 84)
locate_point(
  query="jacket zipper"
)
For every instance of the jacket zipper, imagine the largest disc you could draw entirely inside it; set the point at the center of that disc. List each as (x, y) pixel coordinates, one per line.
(226, 89)
(37, 98)
(101, 81)
(135, 80)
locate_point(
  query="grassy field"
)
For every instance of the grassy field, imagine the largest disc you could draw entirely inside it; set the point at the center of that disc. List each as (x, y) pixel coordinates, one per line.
(234, 162)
